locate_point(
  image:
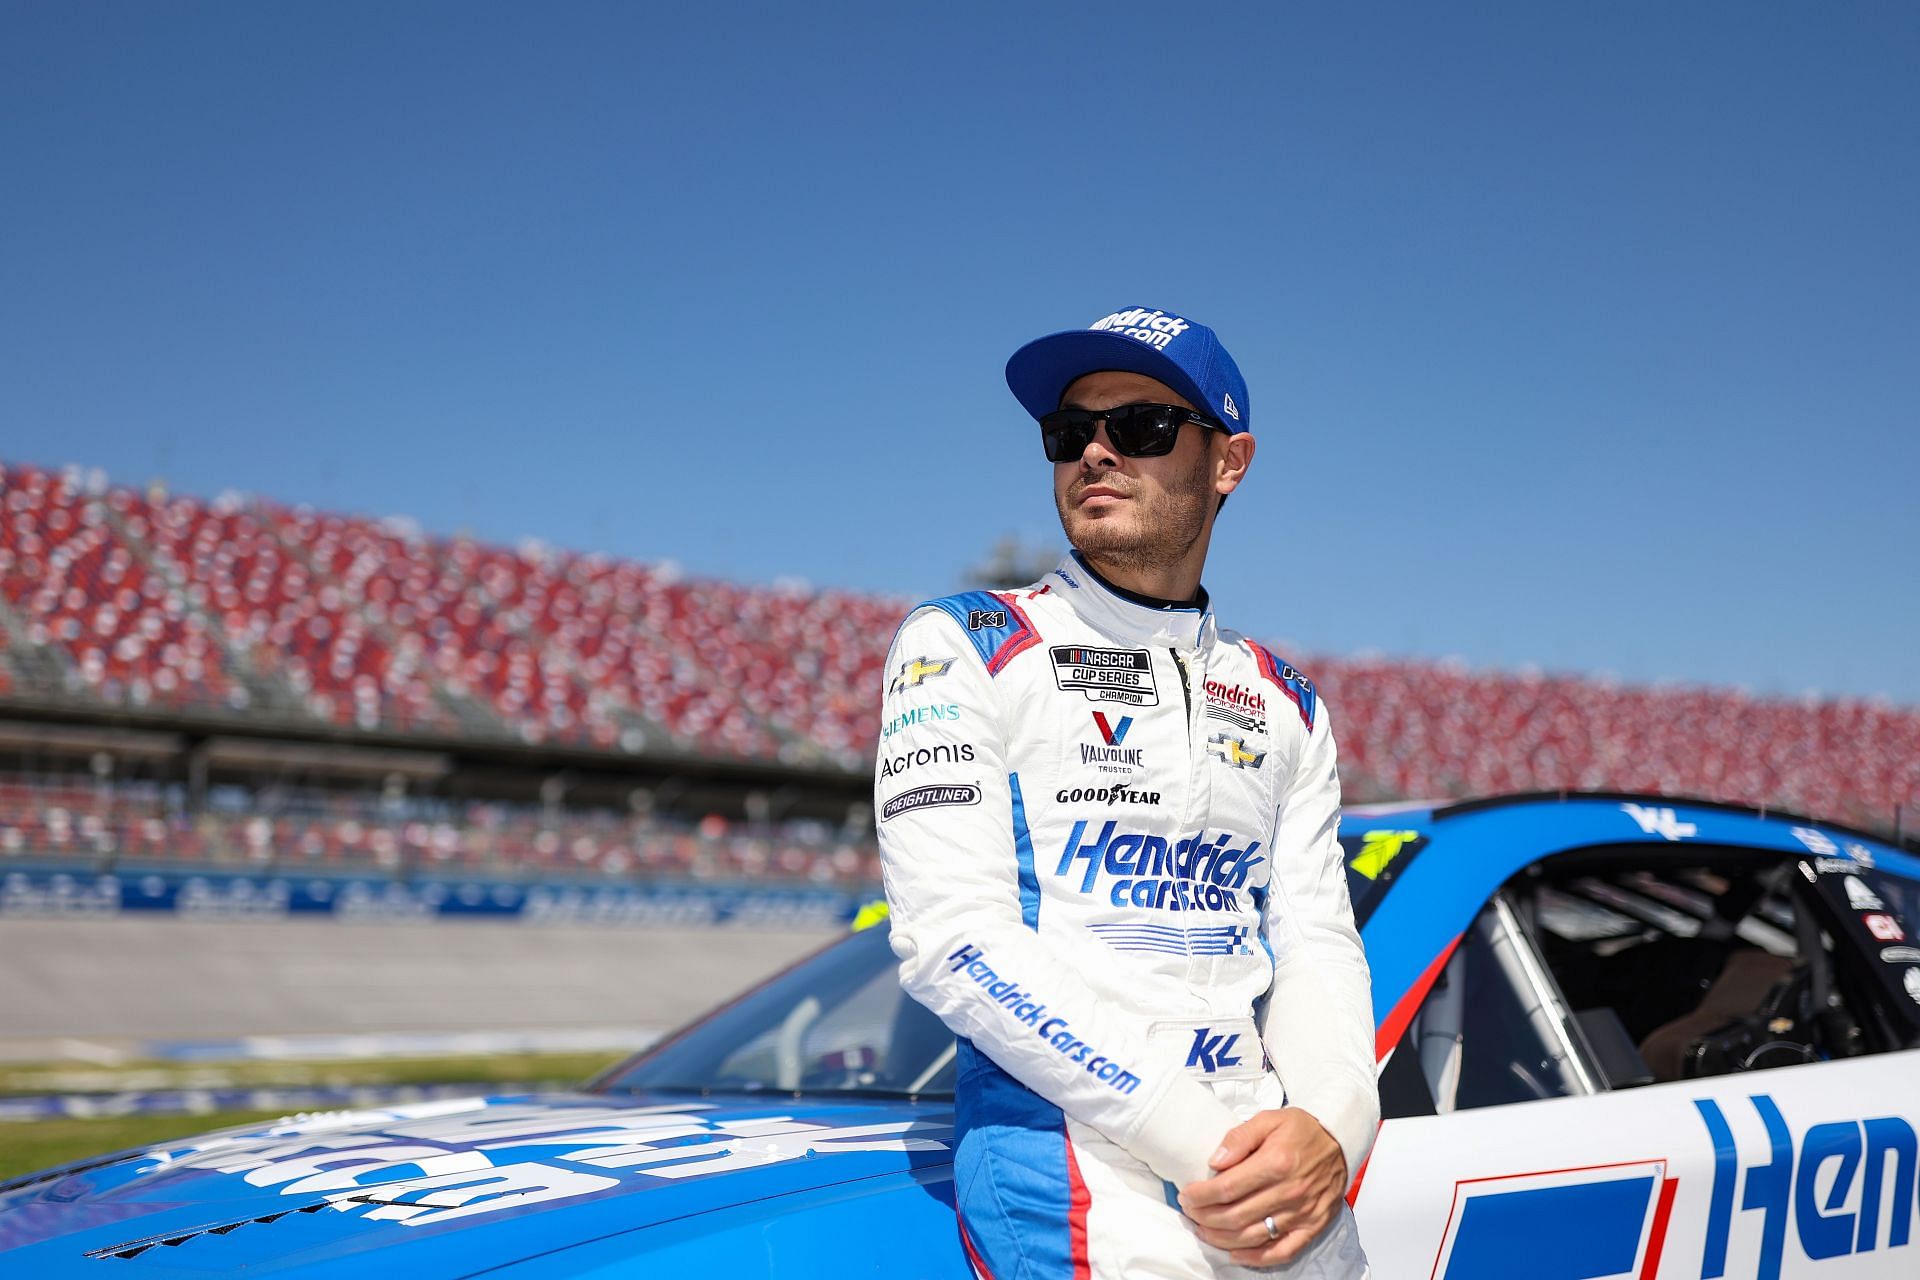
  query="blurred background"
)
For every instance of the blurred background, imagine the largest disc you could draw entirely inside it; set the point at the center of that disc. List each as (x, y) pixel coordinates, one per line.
(461, 466)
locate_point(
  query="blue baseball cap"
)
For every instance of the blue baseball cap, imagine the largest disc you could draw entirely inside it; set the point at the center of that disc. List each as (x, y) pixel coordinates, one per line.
(1185, 355)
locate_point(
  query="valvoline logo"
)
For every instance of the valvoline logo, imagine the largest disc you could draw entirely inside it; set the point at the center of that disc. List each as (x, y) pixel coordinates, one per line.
(1602, 1222)
(1112, 732)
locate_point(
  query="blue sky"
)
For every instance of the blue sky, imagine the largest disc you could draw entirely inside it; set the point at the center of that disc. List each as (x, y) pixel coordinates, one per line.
(1584, 337)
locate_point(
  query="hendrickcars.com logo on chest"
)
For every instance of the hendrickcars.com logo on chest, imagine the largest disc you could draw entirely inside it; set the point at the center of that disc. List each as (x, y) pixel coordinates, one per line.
(1193, 873)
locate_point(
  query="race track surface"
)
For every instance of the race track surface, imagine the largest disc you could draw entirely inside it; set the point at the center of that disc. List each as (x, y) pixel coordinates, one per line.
(121, 981)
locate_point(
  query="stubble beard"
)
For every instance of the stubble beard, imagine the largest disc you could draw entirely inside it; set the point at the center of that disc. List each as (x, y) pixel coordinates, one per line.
(1162, 530)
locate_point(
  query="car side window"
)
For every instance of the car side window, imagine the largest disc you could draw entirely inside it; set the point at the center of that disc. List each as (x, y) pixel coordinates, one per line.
(1734, 964)
(1493, 1028)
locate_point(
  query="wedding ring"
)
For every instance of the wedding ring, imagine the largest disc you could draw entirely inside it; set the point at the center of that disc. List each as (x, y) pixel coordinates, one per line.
(1273, 1232)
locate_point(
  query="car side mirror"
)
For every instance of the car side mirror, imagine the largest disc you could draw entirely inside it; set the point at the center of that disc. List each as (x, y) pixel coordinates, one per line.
(1614, 1051)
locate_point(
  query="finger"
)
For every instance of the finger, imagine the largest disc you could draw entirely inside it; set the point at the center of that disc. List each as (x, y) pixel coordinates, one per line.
(1288, 1247)
(1271, 1163)
(1244, 1139)
(1269, 1195)
(1254, 1235)
(1287, 1203)
(1231, 1187)
(1236, 1241)
(1239, 1238)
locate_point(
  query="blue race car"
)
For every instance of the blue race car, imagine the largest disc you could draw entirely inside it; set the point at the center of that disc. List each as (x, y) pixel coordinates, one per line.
(1619, 1036)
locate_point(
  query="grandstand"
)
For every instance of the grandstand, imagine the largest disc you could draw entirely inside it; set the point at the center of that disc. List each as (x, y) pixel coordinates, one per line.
(239, 682)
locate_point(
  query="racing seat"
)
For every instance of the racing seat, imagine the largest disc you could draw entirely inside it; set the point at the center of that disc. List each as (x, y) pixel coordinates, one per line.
(1741, 988)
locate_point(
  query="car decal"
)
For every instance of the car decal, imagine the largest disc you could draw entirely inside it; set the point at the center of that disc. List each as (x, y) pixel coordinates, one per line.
(1409, 1004)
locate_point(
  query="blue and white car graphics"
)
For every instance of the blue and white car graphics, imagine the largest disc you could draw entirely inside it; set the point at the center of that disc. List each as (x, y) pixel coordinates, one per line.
(845, 1168)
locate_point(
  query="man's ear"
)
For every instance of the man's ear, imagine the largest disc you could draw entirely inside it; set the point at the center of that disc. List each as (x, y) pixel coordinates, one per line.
(1235, 456)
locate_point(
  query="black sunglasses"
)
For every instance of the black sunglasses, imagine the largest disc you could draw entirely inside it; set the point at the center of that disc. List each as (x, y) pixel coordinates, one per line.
(1137, 430)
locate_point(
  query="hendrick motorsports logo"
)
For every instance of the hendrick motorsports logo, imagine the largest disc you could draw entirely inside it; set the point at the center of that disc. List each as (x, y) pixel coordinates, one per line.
(1106, 675)
(1237, 705)
(930, 798)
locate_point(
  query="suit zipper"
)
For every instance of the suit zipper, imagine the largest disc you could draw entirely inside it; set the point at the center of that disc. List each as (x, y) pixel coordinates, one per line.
(1186, 693)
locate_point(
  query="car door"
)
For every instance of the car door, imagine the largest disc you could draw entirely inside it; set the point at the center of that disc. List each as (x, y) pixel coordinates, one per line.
(1526, 1132)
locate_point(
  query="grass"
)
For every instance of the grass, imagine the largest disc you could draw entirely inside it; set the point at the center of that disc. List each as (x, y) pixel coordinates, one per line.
(39, 1144)
(17, 1079)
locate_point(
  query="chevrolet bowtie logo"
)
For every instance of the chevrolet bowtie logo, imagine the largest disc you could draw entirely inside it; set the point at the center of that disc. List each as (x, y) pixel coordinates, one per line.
(1233, 751)
(918, 671)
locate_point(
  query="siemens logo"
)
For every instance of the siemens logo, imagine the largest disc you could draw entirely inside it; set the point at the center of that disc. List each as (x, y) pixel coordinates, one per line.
(920, 715)
(1028, 1011)
(1874, 1156)
(1194, 873)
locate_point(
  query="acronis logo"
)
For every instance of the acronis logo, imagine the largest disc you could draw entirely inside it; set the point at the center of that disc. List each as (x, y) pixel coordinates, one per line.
(1842, 1188)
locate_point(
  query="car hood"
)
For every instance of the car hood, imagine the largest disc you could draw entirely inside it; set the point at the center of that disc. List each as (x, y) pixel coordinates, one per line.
(448, 1188)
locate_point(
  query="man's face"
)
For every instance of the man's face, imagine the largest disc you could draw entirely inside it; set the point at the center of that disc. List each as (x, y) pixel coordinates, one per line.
(1141, 513)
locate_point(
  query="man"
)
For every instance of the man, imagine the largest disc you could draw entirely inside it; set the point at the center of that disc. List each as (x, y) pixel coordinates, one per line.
(1108, 830)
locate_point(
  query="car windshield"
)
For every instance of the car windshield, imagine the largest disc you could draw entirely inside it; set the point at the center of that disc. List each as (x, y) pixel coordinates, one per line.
(836, 1023)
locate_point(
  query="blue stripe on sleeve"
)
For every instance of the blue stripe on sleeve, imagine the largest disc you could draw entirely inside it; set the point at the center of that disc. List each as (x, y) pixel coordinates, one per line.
(1023, 850)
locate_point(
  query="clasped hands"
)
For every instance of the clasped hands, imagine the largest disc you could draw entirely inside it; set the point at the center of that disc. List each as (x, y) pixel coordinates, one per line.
(1280, 1166)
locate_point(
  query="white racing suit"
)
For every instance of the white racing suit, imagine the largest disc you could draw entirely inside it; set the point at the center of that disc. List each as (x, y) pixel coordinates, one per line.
(1108, 832)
